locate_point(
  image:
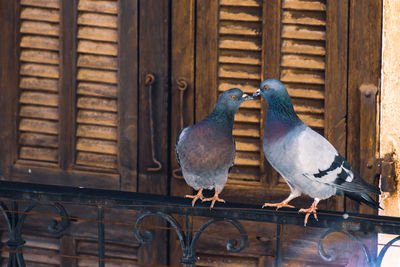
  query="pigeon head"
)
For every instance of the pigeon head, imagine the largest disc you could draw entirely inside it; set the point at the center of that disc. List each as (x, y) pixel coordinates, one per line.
(231, 99)
(278, 100)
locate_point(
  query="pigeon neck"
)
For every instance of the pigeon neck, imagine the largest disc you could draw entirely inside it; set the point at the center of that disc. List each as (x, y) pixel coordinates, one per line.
(223, 117)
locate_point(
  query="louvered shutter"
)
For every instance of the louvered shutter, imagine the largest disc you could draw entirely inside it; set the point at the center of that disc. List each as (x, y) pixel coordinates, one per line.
(39, 81)
(97, 91)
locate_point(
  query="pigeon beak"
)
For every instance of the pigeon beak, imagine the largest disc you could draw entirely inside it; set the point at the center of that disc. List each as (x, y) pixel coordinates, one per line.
(257, 93)
(246, 97)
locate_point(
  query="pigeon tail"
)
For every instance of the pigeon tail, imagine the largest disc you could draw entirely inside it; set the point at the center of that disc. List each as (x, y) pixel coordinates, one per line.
(363, 198)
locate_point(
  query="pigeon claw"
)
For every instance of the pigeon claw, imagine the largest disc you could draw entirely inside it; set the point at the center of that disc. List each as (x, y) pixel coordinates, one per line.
(278, 205)
(313, 210)
(214, 199)
(199, 195)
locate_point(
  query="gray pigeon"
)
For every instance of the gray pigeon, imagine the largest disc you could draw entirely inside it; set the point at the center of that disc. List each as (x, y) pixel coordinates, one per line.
(306, 160)
(206, 150)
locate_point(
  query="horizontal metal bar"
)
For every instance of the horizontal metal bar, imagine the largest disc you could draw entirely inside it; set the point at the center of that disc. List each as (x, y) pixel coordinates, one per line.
(179, 205)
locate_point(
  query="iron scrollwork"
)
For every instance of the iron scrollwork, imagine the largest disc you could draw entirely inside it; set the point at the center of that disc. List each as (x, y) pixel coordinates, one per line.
(189, 242)
(15, 220)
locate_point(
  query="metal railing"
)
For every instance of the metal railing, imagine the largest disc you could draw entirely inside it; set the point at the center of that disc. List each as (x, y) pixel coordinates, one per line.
(166, 207)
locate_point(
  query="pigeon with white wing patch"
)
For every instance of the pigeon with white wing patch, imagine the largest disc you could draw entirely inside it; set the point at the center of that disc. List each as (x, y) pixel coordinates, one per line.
(206, 150)
(306, 160)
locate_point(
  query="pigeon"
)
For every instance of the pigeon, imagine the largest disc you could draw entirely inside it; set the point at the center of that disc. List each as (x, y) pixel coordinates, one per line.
(305, 159)
(206, 150)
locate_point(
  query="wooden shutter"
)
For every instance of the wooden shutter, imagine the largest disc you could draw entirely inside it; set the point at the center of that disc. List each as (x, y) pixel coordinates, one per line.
(39, 81)
(97, 91)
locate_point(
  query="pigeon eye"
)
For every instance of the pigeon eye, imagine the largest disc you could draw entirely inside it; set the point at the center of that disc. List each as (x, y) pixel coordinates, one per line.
(266, 87)
(233, 97)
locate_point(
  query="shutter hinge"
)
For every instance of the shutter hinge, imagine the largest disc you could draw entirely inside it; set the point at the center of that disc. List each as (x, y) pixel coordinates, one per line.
(386, 170)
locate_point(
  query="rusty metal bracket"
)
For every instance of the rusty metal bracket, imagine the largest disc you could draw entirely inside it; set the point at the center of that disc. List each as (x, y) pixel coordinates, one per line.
(149, 80)
(386, 170)
(182, 87)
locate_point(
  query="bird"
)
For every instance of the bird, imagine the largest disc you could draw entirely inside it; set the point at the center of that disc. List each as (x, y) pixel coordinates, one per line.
(304, 158)
(206, 150)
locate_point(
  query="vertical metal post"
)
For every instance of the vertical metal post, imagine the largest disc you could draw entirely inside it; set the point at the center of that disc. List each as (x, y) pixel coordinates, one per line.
(278, 256)
(100, 233)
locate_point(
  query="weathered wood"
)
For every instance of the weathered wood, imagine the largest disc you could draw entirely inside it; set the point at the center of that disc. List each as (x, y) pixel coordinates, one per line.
(303, 47)
(317, 5)
(249, 3)
(39, 56)
(303, 62)
(67, 247)
(39, 98)
(239, 13)
(94, 145)
(48, 113)
(40, 14)
(36, 153)
(95, 103)
(97, 62)
(246, 130)
(236, 28)
(97, 76)
(96, 160)
(239, 43)
(247, 115)
(302, 76)
(231, 56)
(110, 7)
(97, 117)
(42, 28)
(248, 87)
(42, 3)
(34, 83)
(99, 34)
(38, 126)
(303, 17)
(303, 32)
(96, 19)
(41, 140)
(39, 70)
(239, 71)
(40, 42)
(97, 48)
(127, 94)
(94, 131)
(97, 89)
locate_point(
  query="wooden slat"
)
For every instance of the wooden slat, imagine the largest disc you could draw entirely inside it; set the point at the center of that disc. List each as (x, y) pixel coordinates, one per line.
(248, 145)
(39, 70)
(304, 18)
(98, 34)
(240, 28)
(35, 153)
(35, 139)
(110, 7)
(97, 118)
(316, 5)
(305, 62)
(238, 57)
(249, 130)
(249, 3)
(302, 76)
(40, 42)
(303, 47)
(95, 103)
(41, 28)
(240, 43)
(39, 112)
(96, 160)
(308, 109)
(253, 104)
(38, 126)
(247, 87)
(39, 84)
(240, 14)
(248, 115)
(239, 71)
(36, 98)
(42, 3)
(312, 121)
(40, 14)
(94, 131)
(97, 48)
(247, 159)
(98, 62)
(304, 93)
(39, 56)
(99, 20)
(97, 76)
(97, 89)
(98, 146)
(240, 175)
(303, 32)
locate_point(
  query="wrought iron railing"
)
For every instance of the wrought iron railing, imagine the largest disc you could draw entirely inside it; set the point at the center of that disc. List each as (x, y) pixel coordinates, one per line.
(166, 207)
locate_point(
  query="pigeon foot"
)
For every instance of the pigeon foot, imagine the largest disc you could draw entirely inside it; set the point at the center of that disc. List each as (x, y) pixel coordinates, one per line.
(312, 209)
(213, 199)
(199, 195)
(278, 205)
